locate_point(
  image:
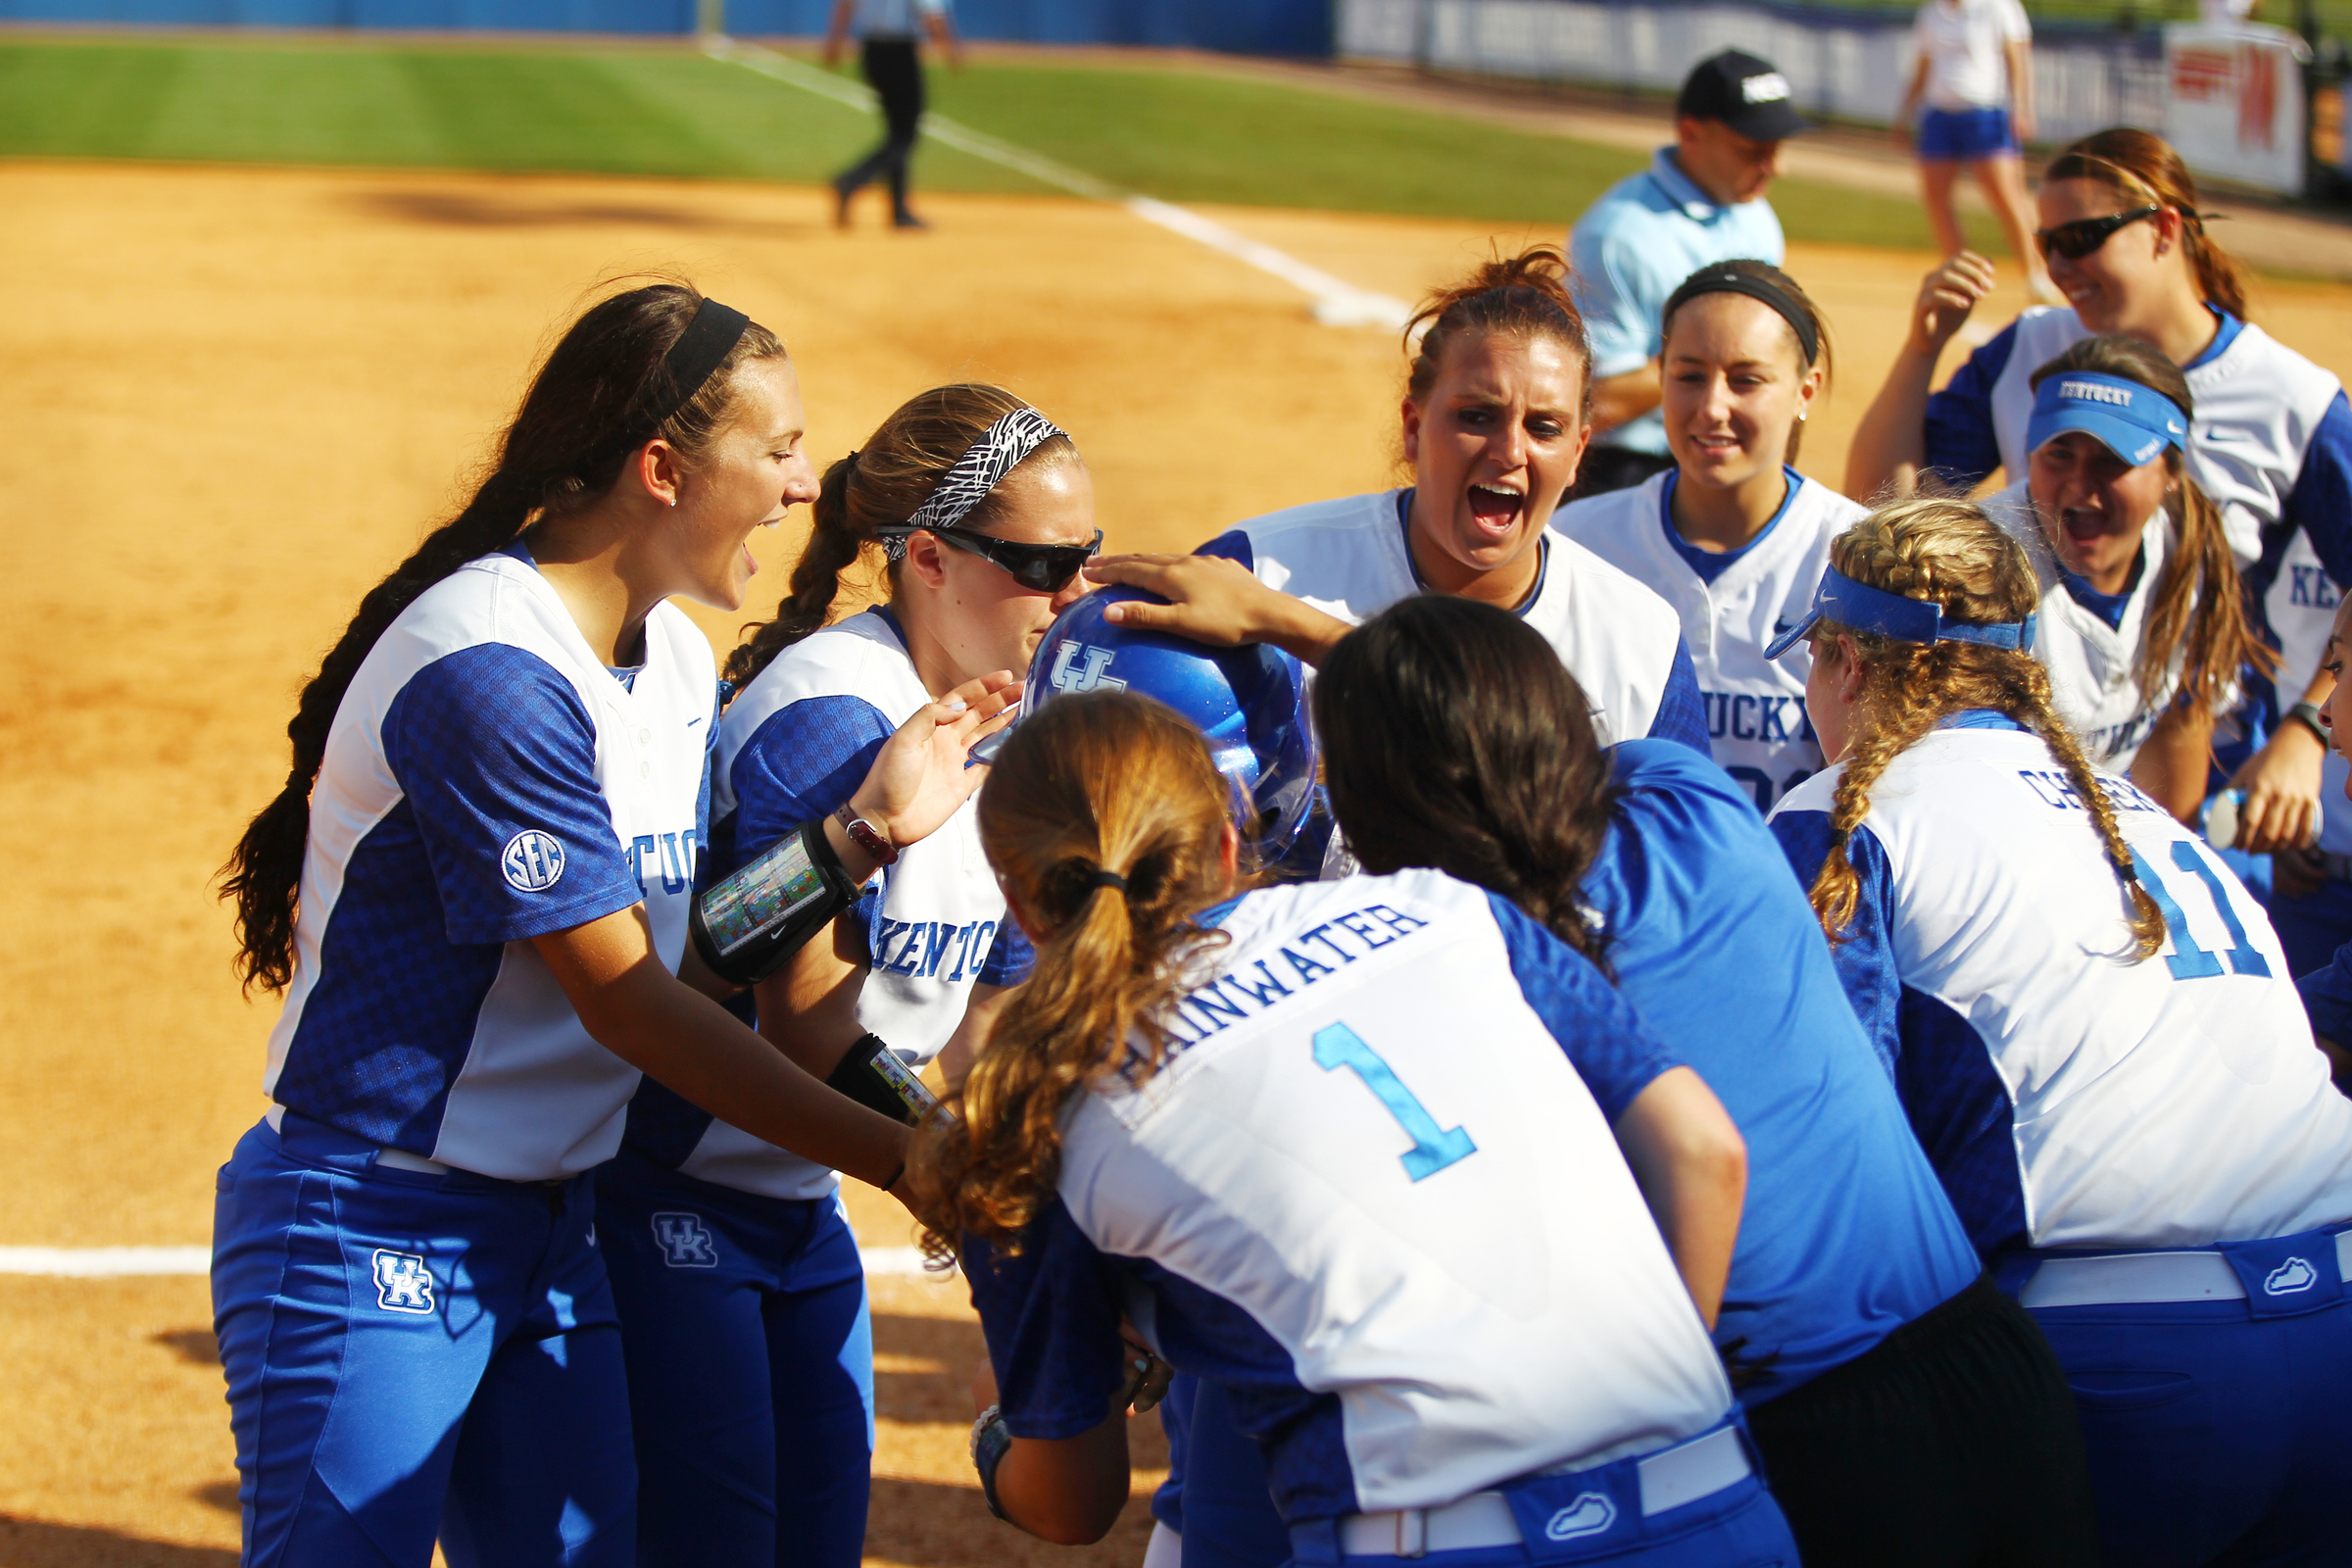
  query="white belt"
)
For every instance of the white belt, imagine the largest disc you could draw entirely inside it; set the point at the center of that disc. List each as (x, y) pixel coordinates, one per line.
(2127, 1278)
(1683, 1474)
(402, 1159)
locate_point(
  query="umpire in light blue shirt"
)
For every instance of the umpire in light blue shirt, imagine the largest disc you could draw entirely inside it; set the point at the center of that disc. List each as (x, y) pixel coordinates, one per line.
(1701, 201)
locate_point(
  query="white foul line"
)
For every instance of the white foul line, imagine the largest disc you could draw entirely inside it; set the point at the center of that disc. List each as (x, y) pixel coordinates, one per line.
(122, 1262)
(1337, 302)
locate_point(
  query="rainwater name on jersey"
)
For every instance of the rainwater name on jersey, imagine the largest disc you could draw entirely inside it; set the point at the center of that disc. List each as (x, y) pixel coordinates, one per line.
(1306, 957)
(920, 949)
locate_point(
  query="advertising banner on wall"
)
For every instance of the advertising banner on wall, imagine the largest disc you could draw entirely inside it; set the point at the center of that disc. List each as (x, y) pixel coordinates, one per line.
(2234, 105)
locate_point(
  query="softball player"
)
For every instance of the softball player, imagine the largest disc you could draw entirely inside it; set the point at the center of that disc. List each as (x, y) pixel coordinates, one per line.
(1316, 1142)
(2141, 625)
(492, 822)
(2095, 1035)
(1895, 1396)
(1733, 536)
(2272, 446)
(750, 1356)
(1493, 427)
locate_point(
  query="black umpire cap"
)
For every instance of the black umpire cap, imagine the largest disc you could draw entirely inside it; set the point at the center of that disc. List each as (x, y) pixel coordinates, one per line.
(1745, 93)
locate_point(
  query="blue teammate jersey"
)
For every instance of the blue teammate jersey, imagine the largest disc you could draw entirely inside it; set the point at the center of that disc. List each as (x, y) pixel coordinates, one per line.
(795, 744)
(487, 780)
(1845, 1236)
(1352, 558)
(1374, 1195)
(2068, 1096)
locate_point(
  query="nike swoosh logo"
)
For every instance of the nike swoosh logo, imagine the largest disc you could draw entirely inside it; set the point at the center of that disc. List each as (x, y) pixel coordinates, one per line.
(690, 723)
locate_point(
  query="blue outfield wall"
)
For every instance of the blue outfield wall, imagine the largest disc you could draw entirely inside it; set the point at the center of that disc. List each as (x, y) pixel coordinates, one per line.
(1233, 26)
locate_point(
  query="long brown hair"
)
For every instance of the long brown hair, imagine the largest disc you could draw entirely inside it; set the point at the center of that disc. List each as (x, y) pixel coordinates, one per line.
(589, 408)
(882, 483)
(2198, 607)
(1091, 783)
(1524, 296)
(1948, 553)
(1453, 737)
(2144, 168)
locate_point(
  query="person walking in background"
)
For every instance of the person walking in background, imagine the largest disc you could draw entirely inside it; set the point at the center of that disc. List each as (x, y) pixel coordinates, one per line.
(890, 56)
(1701, 201)
(1975, 76)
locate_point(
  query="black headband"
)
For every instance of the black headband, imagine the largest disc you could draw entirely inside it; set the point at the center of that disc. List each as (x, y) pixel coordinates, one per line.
(1726, 280)
(700, 350)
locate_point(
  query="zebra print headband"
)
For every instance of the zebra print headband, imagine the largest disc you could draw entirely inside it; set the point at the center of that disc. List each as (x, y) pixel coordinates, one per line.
(980, 470)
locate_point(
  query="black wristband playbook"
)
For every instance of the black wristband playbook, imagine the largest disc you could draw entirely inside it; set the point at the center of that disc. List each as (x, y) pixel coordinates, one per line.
(747, 926)
(872, 1075)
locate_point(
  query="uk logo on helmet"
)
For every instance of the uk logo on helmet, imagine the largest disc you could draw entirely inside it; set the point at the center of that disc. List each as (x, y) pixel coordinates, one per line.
(1588, 1515)
(532, 860)
(403, 1284)
(686, 1242)
(1069, 676)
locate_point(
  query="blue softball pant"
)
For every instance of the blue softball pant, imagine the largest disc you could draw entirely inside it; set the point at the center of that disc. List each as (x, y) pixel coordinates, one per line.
(2217, 1431)
(412, 1355)
(751, 1370)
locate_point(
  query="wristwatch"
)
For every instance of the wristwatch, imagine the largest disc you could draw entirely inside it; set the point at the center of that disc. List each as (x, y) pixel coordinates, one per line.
(865, 835)
(2308, 715)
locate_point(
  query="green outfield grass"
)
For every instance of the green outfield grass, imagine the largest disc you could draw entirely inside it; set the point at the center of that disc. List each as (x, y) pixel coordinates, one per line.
(1179, 135)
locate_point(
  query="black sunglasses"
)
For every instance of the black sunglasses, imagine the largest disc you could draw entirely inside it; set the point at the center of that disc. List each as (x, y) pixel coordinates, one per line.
(1041, 569)
(2084, 236)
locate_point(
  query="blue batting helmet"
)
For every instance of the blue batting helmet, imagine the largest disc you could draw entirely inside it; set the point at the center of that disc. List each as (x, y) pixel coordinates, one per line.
(1248, 703)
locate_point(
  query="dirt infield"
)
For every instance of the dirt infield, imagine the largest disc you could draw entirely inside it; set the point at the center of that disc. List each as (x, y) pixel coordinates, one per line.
(240, 395)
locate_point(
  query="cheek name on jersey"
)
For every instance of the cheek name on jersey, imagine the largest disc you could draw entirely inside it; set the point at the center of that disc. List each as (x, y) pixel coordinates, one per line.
(920, 948)
(2055, 790)
(1232, 997)
(1743, 716)
(671, 855)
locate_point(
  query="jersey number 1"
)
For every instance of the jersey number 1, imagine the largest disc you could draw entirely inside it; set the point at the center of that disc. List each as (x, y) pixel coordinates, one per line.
(1433, 1149)
(2188, 961)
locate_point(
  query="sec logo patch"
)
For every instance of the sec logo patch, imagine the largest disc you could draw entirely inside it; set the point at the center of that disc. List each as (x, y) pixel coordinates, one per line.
(532, 860)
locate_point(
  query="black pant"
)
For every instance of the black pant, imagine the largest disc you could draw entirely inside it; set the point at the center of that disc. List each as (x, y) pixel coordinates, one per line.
(895, 72)
(1951, 1443)
(1606, 469)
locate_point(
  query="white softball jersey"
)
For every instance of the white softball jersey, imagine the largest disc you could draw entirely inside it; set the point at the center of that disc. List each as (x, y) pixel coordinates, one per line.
(1374, 1194)
(1757, 728)
(487, 780)
(2068, 1096)
(2094, 683)
(1965, 44)
(795, 744)
(1622, 642)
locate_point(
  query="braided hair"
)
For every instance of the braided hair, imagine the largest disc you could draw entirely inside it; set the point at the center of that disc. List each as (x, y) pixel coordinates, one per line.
(1950, 554)
(588, 410)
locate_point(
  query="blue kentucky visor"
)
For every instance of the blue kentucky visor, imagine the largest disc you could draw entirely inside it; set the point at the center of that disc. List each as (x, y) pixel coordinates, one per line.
(2133, 421)
(1859, 606)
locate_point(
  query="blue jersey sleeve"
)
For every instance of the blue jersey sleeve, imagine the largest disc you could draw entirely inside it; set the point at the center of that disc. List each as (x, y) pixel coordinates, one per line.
(2321, 502)
(496, 755)
(1610, 1048)
(1232, 545)
(1960, 444)
(1051, 1315)
(1865, 957)
(2328, 998)
(1010, 958)
(801, 764)
(1682, 708)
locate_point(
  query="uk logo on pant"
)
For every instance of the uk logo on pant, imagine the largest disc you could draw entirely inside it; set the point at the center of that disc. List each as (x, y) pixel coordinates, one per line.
(686, 1242)
(403, 1284)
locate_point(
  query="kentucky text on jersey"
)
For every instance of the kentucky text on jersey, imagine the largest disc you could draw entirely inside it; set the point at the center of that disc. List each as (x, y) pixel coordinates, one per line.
(929, 949)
